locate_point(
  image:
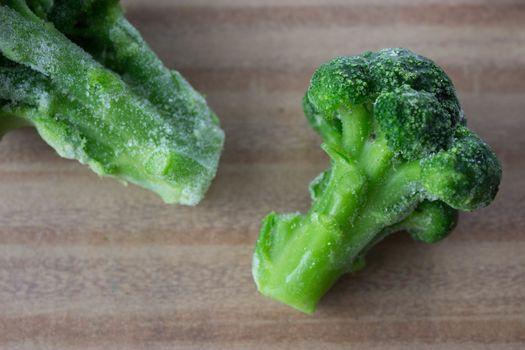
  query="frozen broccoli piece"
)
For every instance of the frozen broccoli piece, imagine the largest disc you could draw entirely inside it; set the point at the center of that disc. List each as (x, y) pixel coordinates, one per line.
(402, 159)
(82, 75)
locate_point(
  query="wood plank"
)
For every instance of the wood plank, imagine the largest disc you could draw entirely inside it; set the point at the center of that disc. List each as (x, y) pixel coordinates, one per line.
(86, 263)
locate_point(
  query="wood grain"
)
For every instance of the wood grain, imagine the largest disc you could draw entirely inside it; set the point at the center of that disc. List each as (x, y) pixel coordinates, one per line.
(86, 263)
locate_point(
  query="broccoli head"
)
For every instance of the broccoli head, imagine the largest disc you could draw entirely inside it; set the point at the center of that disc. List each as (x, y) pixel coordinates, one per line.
(402, 158)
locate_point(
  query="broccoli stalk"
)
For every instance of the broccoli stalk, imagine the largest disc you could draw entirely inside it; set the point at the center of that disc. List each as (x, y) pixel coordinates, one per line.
(401, 159)
(83, 76)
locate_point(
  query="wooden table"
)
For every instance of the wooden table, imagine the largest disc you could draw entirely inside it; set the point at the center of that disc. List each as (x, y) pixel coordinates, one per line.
(86, 263)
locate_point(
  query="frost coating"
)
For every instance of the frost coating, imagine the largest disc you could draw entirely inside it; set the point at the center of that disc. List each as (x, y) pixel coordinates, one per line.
(401, 159)
(98, 94)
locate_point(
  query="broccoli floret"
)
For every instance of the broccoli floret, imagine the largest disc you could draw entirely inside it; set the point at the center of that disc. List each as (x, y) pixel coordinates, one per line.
(82, 75)
(401, 159)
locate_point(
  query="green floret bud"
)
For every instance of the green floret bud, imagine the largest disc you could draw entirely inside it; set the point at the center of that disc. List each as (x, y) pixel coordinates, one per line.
(343, 92)
(466, 176)
(414, 123)
(393, 68)
(430, 221)
(341, 82)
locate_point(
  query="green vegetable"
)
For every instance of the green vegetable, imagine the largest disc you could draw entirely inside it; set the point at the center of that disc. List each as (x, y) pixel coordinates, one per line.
(82, 75)
(401, 159)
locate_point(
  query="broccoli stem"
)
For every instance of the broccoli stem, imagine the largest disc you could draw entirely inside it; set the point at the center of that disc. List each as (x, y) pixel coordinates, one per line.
(330, 133)
(115, 43)
(340, 197)
(36, 102)
(155, 130)
(356, 126)
(388, 201)
(309, 253)
(375, 157)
